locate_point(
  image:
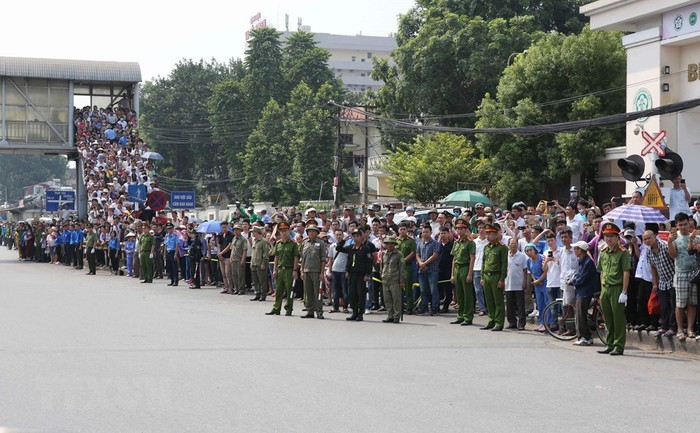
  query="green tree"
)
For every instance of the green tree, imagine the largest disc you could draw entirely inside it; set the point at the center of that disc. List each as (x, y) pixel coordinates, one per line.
(305, 62)
(562, 78)
(264, 79)
(175, 119)
(432, 167)
(18, 171)
(267, 161)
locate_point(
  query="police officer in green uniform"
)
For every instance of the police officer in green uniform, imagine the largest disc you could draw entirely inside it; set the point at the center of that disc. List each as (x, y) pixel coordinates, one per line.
(286, 259)
(407, 246)
(464, 253)
(393, 270)
(239, 248)
(614, 264)
(493, 277)
(258, 263)
(313, 262)
(90, 241)
(147, 243)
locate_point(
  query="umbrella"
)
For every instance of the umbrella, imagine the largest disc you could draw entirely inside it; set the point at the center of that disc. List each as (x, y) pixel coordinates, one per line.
(195, 220)
(210, 227)
(153, 155)
(466, 198)
(637, 213)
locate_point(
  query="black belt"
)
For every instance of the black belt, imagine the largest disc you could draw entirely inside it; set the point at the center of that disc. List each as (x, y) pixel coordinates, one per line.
(459, 265)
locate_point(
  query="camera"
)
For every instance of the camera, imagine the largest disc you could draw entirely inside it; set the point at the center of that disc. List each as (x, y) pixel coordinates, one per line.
(549, 254)
(550, 203)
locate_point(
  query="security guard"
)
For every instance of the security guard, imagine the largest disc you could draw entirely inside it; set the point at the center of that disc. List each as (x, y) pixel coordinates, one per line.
(493, 277)
(313, 262)
(614, 264)
(147, 243)
(239, 247)
(393, 271)
(464, 253)
(407, 246)
(284, 270)
(258, 263)
(90, 242)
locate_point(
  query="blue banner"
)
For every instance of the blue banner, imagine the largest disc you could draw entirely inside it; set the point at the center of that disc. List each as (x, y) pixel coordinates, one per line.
(182, 200)
(137, 193)
(56, 200)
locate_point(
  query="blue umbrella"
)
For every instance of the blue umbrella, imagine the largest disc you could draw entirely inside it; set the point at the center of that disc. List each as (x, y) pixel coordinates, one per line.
(153, 155)
(636, 213)
(210, 227)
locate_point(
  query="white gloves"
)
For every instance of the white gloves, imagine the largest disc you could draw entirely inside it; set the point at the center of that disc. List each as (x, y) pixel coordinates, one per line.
(623, 298)
(151, 256)
(92, 251)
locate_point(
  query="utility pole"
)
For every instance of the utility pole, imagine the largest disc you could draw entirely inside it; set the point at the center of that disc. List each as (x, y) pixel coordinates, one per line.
(365, 176)
(338, 164)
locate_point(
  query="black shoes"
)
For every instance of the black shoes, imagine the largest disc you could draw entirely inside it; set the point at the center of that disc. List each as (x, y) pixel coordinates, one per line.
(352, 317)
(616, 352)
(195, 287)
(497, 328)
(466, 323)
(287, 313)
(320, 316)
(309, 315)
(605, 351)
(273, 313)
(396, 320)
(388, 320)
(486, 328)
(262, 299)
(457, 322)
(511, 326)
(257, 298)
(359, 318)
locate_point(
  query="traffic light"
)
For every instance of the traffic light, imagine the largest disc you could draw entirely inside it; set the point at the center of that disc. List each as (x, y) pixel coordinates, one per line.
(632, 167)
(670, 166)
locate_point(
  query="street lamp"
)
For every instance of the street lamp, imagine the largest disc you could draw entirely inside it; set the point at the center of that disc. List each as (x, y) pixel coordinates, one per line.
(512, 57)
(320, 193)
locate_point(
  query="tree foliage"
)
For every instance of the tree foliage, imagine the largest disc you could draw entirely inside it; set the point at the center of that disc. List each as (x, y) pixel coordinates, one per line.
(432, 167)
(562, 78)
(18, 171)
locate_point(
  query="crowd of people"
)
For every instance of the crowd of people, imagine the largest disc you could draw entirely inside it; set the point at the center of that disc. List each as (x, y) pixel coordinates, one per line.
(505, 265)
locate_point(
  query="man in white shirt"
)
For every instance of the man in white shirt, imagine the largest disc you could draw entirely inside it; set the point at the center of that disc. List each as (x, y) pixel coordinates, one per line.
(516, 280)
(643, 281)
(680, 196)
(575, 222)
(551, 266)
(480, 243)
(568, 264)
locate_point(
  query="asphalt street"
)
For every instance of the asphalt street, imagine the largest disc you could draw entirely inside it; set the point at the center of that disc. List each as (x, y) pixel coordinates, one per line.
(106, 354)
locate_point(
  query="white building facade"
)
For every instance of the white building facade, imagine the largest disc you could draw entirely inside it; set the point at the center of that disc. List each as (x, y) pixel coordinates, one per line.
(663, 54)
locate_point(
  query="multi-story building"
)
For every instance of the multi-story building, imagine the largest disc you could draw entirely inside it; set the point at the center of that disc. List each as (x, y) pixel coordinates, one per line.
(351, 57)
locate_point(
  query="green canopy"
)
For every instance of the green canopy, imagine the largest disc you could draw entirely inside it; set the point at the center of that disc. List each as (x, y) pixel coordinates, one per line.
(465, 198)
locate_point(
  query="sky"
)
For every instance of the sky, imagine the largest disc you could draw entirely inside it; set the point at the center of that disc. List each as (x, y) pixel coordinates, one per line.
(157, 34)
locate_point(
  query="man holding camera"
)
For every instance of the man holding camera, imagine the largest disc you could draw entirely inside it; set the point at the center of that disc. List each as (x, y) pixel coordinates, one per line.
(679, 197)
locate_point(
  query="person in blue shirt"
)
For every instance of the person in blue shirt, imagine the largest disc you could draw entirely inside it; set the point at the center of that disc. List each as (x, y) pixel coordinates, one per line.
(584, 281)
(539, 281)
(67, 247)
(73, 245)
(129, 249)
(170, 245)
(114, 249)
(80, 229)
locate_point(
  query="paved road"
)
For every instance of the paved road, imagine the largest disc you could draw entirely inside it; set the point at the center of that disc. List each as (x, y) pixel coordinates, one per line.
(107, 354)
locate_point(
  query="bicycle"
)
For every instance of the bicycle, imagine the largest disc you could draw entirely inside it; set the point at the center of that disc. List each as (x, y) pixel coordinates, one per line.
(557, 316)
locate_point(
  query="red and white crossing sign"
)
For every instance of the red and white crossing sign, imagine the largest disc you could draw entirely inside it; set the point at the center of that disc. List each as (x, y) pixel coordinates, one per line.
(654, 143)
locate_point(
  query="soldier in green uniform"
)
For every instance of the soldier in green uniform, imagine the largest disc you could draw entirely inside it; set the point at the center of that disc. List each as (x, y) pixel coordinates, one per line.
(464, 253)
(407, 246)
(90, 241)
(147, 243)
(239, 248)
(614, 264)
(286, 259)
(313, 262)
(258, 263)
(493, 277)
(393, 270)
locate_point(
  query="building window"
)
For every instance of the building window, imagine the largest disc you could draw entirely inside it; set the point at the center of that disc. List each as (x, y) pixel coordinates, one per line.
(346, 139)
(362, 60)
(353, 58)
(369, 55)
(362, 74)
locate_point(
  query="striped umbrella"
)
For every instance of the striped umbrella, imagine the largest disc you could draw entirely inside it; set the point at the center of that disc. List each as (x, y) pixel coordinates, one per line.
(637, 213)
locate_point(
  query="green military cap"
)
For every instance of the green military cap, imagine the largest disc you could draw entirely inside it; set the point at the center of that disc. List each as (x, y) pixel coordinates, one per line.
(390, 240)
